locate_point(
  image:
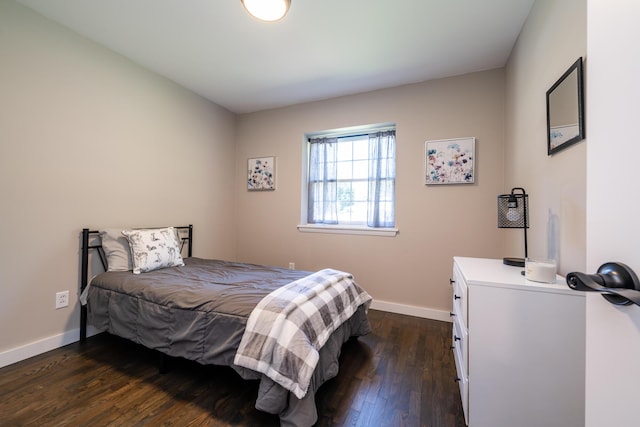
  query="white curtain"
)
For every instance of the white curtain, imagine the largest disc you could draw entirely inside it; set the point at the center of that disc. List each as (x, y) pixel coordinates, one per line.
(322, 207)
(382, 178)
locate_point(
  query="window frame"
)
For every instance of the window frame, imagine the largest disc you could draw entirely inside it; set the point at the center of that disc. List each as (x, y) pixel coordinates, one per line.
(364, 229)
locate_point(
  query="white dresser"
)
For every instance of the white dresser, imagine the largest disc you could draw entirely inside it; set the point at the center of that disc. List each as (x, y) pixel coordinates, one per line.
(519, 347)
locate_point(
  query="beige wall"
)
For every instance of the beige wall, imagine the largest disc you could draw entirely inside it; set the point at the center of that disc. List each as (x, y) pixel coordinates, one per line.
(553, 38)
(88, 139)
(435, 222)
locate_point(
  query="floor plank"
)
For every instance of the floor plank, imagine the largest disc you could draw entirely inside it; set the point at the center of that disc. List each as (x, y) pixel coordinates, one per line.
(399, 375)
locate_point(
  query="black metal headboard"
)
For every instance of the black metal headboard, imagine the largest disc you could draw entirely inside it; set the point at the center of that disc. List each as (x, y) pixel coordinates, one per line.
(86, 247)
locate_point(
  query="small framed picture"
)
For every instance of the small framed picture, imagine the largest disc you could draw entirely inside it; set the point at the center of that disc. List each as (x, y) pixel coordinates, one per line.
(261, 174)
(450, 161)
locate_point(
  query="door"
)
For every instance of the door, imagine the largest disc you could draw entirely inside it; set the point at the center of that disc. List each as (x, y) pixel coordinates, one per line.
(613, 207)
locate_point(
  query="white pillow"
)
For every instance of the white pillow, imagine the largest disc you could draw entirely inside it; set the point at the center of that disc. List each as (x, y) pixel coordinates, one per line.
(116, 248)
(152, 249)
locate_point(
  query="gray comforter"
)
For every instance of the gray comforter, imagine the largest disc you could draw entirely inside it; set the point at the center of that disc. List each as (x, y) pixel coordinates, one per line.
(199, 312)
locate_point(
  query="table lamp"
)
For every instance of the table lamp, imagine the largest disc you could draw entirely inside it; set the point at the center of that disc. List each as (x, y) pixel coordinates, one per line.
(513, 212)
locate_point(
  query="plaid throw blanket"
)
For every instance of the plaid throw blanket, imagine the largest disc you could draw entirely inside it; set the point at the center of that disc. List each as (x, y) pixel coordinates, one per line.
(289, 326)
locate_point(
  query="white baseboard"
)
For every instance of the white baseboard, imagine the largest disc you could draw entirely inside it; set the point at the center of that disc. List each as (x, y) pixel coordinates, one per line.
(411, 310)
(35, 348)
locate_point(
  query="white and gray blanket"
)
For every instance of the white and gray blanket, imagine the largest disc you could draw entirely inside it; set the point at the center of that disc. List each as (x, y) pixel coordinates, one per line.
(286, 330)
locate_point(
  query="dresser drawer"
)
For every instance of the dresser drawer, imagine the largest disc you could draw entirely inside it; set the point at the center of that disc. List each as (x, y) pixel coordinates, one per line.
(459, 297)
(460, 343)
(463, 382)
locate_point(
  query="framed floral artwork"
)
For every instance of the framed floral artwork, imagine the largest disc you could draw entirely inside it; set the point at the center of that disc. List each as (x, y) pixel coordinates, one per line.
(261, 174)
(450, 161)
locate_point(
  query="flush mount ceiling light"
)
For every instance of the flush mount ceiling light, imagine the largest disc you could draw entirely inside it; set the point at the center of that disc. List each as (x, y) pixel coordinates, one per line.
(267, 10)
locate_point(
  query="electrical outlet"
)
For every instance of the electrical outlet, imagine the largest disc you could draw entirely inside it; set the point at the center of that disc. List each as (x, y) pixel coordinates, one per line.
(292, 266)
(62, 299)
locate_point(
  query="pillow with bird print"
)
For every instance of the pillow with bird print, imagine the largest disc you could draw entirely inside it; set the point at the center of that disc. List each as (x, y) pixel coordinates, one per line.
(152, 249)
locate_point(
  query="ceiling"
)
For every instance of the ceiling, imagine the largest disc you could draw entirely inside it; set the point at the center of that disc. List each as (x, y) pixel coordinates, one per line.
(321, 49)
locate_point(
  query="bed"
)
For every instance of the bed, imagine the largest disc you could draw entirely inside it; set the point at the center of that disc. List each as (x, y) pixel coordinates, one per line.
(284, 328)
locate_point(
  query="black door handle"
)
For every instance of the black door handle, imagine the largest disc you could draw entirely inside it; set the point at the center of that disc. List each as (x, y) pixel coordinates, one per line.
(615, 281)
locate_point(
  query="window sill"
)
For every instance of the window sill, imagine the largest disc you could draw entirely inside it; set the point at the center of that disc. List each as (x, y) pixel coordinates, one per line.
(343, 229)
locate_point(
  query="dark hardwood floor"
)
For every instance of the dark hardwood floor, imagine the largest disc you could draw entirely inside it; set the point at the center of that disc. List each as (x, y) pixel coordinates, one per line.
(399, 375)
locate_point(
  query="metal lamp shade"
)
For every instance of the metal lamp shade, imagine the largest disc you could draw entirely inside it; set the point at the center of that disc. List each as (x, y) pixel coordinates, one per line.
(510, 216)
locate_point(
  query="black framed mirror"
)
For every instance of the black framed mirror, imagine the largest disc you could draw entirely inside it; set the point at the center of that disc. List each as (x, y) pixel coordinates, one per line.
(565, 110)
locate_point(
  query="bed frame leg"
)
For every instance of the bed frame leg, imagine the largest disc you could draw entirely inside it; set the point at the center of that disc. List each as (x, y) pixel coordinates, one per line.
(84, 280)
(83, 324)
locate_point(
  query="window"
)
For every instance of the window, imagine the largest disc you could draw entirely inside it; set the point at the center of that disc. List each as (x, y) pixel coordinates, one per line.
(350, 179)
